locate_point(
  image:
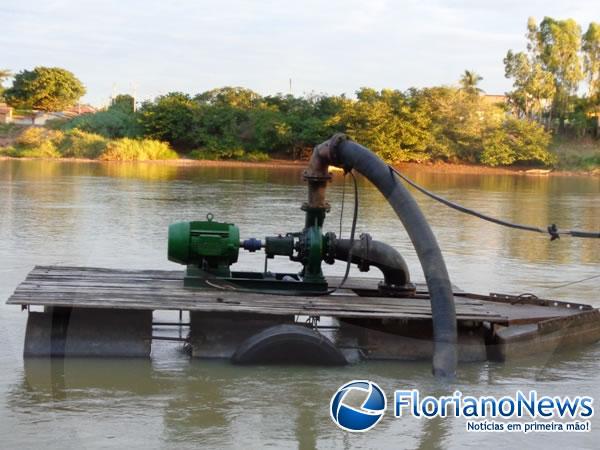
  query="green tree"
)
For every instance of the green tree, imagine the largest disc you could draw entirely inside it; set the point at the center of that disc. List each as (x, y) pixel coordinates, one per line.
(386, 122)
(231, 121)
(173, 118)
(459, 121)
(306, 120)
(112, 123)
(4, 75)
(469, 81)
(556, 44)
(268, 130)
(591, 60)
(118, 121)
(533, 86)
(516, 141)
(237, 97)
(44, 89)
(222, 128)
(123, 102)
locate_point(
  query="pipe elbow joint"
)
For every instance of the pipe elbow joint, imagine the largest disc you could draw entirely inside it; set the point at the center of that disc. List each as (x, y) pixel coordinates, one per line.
(324, 155)
(367, 252)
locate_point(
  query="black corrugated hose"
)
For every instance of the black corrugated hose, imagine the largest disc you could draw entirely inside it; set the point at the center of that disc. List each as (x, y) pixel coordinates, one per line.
(347, 154)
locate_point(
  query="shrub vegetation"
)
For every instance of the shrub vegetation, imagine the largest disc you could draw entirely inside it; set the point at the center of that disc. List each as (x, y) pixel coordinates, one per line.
(126, 149)
(38, 142)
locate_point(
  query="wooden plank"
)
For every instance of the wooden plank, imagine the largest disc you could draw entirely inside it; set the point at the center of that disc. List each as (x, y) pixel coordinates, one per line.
(159, 289)
(160, 297)
(45, 271)
(300, 309)
(168, 291)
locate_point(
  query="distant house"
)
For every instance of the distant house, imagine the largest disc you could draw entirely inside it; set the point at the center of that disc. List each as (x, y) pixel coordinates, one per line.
(41, 117)
(6, 113)
(495, 99)
(499, 101)
(595, 113)
(78, 110)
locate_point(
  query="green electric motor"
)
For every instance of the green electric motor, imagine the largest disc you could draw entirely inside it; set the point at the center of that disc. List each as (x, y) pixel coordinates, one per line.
(209, 245)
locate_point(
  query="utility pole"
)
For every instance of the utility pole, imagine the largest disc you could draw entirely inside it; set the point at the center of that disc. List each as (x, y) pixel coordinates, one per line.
(113, 95)
(134, 95)
(291, 86)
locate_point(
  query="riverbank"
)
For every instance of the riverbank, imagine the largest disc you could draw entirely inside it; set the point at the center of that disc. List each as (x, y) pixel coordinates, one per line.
(434, 167)
(567, 156)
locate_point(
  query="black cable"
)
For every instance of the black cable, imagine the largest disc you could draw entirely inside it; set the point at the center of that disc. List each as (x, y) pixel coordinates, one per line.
(552, 229)
(342, 207)
(570, 283)
(352, 232)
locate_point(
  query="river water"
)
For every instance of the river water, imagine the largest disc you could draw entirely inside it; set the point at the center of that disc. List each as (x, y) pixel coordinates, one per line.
(116, 215)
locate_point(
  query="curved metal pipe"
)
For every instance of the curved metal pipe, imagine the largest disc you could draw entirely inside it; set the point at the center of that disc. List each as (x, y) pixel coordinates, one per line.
(342, 152)
(367, 252)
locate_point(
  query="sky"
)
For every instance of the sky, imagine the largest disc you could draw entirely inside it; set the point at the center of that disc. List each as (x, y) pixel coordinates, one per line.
(149, 48)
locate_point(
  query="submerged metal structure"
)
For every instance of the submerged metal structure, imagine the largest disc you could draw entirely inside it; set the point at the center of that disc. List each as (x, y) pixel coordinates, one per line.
(269, 316)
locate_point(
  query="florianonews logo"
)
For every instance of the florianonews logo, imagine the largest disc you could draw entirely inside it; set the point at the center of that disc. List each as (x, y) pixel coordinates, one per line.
(358, 406)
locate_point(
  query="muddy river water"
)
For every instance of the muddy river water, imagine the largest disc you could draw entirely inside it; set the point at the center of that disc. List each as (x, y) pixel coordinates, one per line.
(116, 215)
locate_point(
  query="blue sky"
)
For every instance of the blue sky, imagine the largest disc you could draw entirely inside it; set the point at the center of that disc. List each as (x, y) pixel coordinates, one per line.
(323, 46)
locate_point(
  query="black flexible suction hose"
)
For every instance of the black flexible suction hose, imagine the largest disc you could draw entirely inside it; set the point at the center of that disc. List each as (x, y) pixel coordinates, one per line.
(342, 152)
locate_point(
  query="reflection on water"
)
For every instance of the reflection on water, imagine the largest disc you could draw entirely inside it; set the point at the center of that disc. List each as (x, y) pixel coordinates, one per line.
(216, 404)
(116, 215)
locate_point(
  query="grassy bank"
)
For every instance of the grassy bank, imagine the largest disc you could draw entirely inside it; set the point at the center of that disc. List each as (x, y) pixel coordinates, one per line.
(569, 155)
(576, 154)
(38, 142)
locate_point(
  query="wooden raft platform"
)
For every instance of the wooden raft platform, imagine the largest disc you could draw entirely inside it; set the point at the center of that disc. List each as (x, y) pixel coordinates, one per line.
(88, 287)
(490, 326)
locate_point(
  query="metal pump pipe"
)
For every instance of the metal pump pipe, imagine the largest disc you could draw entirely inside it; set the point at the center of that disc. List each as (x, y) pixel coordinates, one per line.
(342, 152)
(378, 254)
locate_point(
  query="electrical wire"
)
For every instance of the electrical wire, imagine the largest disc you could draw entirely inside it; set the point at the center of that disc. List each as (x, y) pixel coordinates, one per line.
(342, 207)
(570, 283)
(552, 229)
(352, 233)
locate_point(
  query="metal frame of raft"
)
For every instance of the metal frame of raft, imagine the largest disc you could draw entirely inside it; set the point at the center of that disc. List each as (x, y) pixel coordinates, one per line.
(108, 313)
